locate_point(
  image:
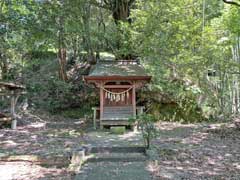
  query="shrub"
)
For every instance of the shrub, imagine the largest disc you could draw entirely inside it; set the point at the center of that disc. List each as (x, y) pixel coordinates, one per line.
(146, 123)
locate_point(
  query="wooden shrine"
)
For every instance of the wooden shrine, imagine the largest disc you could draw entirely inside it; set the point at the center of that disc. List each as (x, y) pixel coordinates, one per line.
(14, 91)
(118, 82)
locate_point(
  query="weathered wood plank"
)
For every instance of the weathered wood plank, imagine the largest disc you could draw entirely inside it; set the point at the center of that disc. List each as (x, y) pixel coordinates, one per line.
(117, 113)
(117, 86)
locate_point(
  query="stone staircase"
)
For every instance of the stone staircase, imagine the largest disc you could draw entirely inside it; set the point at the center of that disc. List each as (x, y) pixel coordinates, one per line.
(116, 154)
(114, 163)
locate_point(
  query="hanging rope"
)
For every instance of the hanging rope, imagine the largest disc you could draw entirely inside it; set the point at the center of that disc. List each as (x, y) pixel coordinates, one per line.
(117, 92)
(116, 96)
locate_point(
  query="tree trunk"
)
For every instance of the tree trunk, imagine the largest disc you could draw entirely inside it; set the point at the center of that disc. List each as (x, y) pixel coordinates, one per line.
(62, 52)
(121, 10)
(3, 66)
(87, 35)
(121, 13)
(75, 48)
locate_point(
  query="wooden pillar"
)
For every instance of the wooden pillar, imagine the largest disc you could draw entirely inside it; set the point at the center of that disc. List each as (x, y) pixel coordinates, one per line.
(141, 110)
(94, 117)
(134, 99)
(101, 104)
(13, 103)
(134, 127)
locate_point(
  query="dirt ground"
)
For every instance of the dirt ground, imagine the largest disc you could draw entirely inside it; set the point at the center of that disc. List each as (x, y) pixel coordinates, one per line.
(186, 152)
(196, 152)
(39, 136)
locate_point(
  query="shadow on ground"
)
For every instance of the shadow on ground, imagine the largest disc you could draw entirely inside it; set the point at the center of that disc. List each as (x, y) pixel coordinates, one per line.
(196, 151)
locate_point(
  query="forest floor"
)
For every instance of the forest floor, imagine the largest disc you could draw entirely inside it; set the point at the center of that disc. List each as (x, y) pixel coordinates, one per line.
(190, 152)
(43, 137)
(205, 151)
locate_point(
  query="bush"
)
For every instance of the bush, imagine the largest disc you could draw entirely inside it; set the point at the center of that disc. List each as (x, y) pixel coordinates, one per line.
(75, 113)
(146, 122)
(46, 91)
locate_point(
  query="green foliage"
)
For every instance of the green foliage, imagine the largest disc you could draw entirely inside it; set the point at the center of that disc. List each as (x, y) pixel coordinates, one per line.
(146, 123)
(51, 95)
(47, 91)
(231, 19)
(179, 42)
(76, 113)
(59, 94)
(178, 102)
(180, 45)
(124, 41)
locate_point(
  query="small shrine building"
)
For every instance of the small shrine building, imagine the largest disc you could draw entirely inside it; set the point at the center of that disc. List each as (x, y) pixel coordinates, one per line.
(118, 82)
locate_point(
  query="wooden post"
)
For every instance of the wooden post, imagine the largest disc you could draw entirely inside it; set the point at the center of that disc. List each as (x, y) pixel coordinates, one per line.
(13, 103)
(78, 158)
(94, 117)
(141, 110)
(134, 100)
(134, 105)
(101, 105)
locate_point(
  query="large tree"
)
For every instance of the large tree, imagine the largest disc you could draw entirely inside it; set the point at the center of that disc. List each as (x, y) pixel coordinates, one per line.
(120, 10)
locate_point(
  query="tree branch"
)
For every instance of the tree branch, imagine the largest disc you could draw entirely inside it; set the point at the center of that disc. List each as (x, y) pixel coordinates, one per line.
(131, 2)
(232, 2)
(100, 5)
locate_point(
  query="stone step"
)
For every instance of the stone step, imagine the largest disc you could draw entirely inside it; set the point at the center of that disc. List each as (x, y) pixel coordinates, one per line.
(117, 157)
(115, 149)
(114, 171)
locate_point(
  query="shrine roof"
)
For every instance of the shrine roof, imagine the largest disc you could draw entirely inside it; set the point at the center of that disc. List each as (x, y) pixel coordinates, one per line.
(118, 68)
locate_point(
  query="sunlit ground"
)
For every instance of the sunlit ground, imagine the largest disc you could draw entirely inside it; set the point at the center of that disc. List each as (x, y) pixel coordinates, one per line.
(28, 171)
(193, 151)
(37, 137)
(197, 151)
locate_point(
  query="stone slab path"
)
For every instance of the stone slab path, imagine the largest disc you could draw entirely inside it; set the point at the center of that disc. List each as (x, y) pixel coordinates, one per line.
(114, 171)
(107, 139)
(115, 166)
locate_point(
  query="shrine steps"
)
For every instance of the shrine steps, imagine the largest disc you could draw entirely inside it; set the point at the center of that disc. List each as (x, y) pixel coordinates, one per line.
(116, 114)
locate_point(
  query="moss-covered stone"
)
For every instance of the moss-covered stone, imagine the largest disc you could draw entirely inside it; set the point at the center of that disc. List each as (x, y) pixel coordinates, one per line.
(118, 129)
